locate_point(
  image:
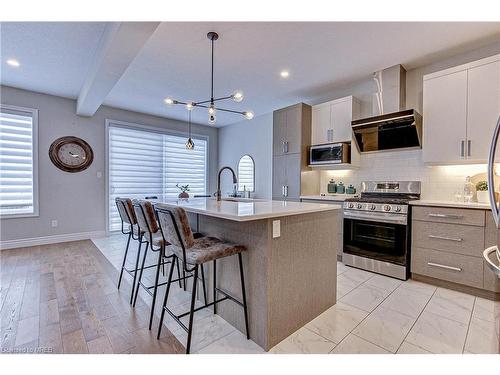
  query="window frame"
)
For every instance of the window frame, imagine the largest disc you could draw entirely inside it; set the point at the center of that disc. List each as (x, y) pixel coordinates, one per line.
(135, 126)
(34, 132)
(238, 172)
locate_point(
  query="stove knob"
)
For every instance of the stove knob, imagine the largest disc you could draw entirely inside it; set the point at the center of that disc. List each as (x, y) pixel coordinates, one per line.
(359, 206)
(387, 207)
(350, 205)
(373, 207)
(398, 209)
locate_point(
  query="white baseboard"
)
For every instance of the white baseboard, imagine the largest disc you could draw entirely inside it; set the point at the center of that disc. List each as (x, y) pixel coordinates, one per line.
(25, 242)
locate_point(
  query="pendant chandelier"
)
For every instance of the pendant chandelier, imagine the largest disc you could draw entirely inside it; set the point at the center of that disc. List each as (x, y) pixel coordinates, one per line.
(209, 104)
(189, 143)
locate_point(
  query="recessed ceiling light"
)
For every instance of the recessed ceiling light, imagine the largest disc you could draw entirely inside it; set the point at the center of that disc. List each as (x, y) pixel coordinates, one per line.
(13, 62)
(284, 73)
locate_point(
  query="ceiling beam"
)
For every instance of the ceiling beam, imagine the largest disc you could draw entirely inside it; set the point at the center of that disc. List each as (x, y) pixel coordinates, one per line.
(120, 43)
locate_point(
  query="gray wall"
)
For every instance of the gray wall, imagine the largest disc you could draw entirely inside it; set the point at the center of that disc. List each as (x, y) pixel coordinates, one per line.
(77, 200)
(255, 139)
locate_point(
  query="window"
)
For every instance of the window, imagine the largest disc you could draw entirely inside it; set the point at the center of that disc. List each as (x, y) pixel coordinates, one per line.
(246, 174)
(18, 161)
(144, 163)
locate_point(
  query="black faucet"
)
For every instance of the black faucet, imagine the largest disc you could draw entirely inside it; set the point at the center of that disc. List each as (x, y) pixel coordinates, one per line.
(218, 194)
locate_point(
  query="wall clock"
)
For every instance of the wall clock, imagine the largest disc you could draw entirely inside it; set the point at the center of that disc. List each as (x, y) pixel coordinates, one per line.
(71, 154)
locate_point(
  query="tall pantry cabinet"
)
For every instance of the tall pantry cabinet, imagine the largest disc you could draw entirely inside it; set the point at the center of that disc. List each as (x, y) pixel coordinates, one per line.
(291, 139)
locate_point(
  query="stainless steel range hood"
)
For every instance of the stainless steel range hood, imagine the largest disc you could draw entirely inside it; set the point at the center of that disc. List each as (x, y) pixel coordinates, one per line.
(391, 126)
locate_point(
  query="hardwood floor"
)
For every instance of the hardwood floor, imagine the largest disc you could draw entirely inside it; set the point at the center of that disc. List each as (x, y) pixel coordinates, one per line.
(62, 298)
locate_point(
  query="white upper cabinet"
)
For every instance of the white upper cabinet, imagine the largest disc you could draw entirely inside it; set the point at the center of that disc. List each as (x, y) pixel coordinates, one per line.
(483, 109)
(331, 121)
(461, 106)
(444, 120)
(320, 127)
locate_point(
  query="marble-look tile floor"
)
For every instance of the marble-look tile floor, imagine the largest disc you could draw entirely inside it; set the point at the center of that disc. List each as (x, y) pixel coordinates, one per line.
(374, 314)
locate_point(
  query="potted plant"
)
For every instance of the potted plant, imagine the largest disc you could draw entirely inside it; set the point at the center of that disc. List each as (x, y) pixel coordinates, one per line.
(184, 191)
(482, 192)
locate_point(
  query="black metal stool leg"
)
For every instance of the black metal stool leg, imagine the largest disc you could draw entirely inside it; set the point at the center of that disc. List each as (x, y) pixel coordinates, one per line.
(243, 292)
(136, 268)
(184, 277)
(140, 274)
(191, 312)
(155, 290)
(178, 271)
(124, 259)
(203, 283)
(214, 287)
(166, 296)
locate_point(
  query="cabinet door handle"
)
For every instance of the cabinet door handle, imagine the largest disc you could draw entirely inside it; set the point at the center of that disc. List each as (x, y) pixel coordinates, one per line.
(283, 146)
(283, 190)
(445, 238)
(469, 142)
(448, 216)
(286, 147)
(444, 266)
(286, 190)
(462, 149)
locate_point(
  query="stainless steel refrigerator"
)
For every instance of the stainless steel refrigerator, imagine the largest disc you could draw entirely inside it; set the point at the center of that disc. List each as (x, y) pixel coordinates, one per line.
(492, 254)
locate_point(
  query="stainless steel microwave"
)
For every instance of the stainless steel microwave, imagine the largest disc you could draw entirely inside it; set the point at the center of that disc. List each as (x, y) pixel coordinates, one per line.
(330, 153)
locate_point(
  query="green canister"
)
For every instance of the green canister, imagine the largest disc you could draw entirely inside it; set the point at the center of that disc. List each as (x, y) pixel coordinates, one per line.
(340, 188)
(332, 187)
(350, 189)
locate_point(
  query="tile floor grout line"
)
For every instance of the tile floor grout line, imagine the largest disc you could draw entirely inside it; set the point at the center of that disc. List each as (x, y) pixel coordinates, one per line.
(370, 313)
(468, 325)
(415, 322)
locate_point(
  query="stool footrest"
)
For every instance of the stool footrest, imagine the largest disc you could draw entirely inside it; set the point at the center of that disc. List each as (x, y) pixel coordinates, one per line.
(202, 307)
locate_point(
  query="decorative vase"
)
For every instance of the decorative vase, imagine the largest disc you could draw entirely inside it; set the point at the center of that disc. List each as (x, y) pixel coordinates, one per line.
(183, 195)
(483, 196)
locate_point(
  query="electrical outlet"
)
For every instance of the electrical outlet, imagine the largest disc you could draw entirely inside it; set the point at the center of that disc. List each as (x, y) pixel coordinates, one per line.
(276, 228)
(53, 223)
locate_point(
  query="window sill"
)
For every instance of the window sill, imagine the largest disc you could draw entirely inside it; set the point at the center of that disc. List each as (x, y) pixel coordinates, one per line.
(18, 216)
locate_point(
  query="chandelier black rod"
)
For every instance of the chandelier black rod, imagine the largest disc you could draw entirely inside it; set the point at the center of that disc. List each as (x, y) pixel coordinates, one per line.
(212, 84)
(222, 109)
(213, 100)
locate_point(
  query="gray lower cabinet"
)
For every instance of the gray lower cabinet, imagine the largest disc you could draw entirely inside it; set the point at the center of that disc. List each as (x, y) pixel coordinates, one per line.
(448, 244)
(286, 176)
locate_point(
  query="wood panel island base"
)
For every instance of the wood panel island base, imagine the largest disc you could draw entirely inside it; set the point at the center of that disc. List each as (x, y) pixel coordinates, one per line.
(290, 263)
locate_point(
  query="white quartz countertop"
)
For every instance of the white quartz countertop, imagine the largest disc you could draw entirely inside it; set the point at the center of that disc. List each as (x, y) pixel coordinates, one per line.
(329, 197)
(246, 210)
(444, 203)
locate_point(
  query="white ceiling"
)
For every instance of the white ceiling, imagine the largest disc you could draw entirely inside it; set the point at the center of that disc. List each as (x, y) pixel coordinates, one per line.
(175, 61)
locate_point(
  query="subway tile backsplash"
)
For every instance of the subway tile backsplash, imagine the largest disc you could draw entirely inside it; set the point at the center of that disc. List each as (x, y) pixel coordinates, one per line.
(438, 182)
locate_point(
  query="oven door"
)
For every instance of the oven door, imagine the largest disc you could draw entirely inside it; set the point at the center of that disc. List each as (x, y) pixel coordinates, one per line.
(384, 241)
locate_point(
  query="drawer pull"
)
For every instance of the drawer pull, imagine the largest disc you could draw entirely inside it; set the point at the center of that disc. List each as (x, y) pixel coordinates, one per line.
(444, 266)
(448, 216)
(445, 238)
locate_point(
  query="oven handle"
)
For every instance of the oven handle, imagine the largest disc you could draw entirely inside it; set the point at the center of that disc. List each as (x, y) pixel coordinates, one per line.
(376, 217)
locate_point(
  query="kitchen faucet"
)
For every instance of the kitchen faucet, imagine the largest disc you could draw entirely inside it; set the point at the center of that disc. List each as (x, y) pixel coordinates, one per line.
(218, 193)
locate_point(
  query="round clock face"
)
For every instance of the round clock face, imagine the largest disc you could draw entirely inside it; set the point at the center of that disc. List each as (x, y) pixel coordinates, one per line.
(71, 154)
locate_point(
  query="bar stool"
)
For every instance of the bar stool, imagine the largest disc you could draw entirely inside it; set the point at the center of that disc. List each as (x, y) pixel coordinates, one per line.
(175, 228)
(146, 221)
(128, 218)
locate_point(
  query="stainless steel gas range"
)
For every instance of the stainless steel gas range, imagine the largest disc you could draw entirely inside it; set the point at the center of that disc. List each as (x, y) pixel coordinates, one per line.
(377, 227)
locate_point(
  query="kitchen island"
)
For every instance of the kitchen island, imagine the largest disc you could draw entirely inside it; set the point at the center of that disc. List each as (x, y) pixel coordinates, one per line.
(290, 263)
